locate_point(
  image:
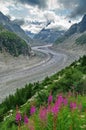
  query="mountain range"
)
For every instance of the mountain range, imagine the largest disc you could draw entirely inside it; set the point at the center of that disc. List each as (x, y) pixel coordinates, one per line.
(13, 27)
(75, 30)
(76, 34)
(30, 34)
(74, 39)
(48, 35)
(77, 27)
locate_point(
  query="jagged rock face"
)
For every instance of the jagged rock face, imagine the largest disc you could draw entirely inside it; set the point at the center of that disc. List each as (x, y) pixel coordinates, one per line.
(13, 27)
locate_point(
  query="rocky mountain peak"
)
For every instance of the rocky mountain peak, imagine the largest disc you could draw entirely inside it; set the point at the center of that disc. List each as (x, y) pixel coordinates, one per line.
(84, 18)
(77, 27)
(82, 24)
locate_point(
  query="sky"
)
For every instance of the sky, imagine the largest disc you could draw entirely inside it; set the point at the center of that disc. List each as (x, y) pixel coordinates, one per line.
(33, 15)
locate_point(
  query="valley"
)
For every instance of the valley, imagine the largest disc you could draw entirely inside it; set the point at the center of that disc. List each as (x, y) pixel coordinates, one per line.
(16, 73)
(42, 65)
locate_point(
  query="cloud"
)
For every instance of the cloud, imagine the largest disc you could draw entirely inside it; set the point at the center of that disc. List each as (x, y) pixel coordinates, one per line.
(19, 21)
(49, 16)
(53, 4)
(80, 9)
(76, 7)
(4, 8)
(39, 3)
(35, 22)
(33, 15)
(33, 28)
(67, 3)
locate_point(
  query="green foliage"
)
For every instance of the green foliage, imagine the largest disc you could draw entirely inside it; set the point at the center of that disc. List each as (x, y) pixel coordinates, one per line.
(12, 43)
(17, 98)
(83, 62)
(1, 28)
(81, 39)
(47, 81)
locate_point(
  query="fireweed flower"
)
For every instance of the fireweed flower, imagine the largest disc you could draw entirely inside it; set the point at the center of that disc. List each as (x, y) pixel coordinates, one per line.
(60, 98)
(59, 101)
(26, 120)
(55, 109)
(32, 110)
(18, 116)
(65, 102)
(50, 99)
(73, 105)
(43, 113)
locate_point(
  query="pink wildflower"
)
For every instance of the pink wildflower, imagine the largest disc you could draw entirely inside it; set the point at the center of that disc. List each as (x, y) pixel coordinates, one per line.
(59, 101)
(55, 109)
(65, 101)
(60, 98)
(43, 113)
(50, 99)
(32, 110)
(73, 105)
(26, 120)
(18, 117)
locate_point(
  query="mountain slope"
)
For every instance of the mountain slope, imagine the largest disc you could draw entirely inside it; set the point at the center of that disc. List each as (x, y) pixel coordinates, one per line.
(12, 43)
(48, 35)
(29, 33)
(72, 79)
(81, 40)
(13, 27)
(74, 39)
(77, 28)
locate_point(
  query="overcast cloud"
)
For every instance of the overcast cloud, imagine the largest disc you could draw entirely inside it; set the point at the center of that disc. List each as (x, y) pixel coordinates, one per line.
(33, 15)
(39, 3)
(77, 7)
